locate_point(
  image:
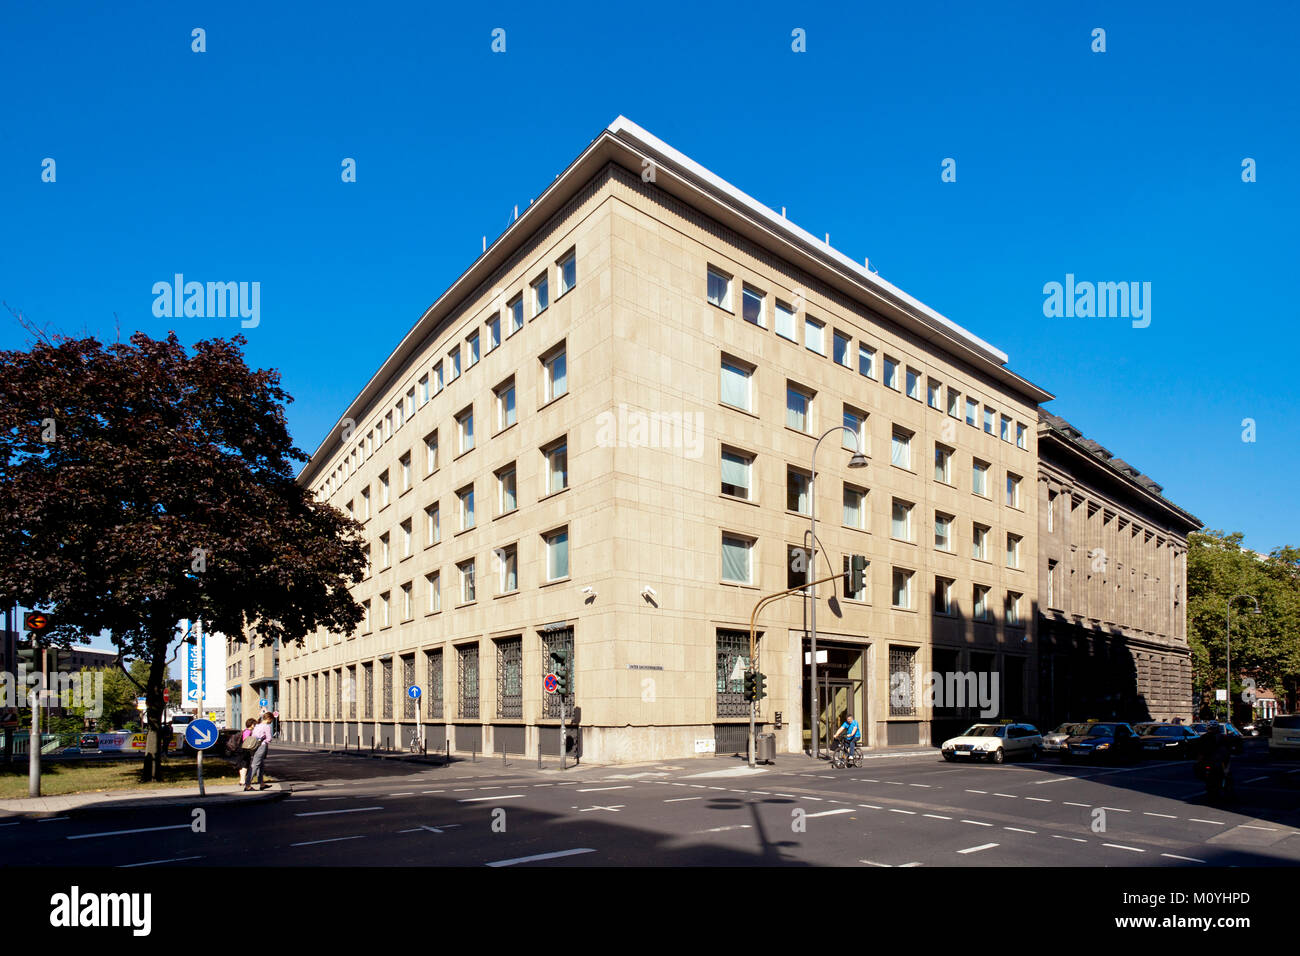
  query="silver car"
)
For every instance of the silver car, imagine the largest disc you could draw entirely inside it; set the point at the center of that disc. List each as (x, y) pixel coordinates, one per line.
(1055, 741)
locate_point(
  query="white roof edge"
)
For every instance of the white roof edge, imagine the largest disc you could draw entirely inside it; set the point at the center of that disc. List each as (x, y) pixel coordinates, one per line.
(624, 126)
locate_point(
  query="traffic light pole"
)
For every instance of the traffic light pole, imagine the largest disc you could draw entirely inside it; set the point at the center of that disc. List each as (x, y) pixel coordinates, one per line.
(753, 649)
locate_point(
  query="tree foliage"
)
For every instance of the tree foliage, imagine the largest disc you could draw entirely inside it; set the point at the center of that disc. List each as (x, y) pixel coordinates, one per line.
(143, 485)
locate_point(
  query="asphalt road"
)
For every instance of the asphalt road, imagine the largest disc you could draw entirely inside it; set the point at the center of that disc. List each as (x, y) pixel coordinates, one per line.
(895, 811)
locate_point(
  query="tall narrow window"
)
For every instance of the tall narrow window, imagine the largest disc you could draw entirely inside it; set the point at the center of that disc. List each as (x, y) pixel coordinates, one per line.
(753, 307)
(557, 554)
(466, 569)
(736, 384)
(719, 289)
(541, 295)
(891, 372)
(814, 335)
(942, 531)
(901, 521)
(507, 569)
(736, 564)
(913, 384)
(867, 361)
(785, 321)
(901, 449)
(515, 308)
(434, 583)
(736, 474)
(494, 331)
(466, 498)
(798, 409)
(431, 452)
(432, 524)
(465, 429)
(902, 588)
(567, 270)
(796, 491)
(505, 405)
(840, 350)
(855, 508)
(471, 350)
(453, 364)
(508, 497)
(954, 403)
(555, 374)
(557, 467)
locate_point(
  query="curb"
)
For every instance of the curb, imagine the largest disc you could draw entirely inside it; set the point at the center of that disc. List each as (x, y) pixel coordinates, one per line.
(108, 801)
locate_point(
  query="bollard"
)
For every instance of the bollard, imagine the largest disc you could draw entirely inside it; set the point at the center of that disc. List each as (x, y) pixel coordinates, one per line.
(503, 760)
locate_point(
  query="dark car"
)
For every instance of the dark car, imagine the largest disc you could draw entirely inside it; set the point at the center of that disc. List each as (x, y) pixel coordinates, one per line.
(1238, 741)
(1168, 740)
(1110, 740)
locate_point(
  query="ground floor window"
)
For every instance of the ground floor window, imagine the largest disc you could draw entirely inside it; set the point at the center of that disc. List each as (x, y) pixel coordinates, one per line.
(732, 661)
(467, 680)
(902, 682)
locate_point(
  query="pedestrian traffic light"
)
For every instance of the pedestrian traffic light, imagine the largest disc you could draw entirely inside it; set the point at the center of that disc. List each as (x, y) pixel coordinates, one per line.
(560, 668)
(760, 686)
(751, 687)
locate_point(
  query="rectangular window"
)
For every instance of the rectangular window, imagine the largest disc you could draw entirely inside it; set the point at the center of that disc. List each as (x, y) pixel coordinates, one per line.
(900, 526)
(434, 583)
(507, 569)
(796, 491)
(557, 467)
(902, 675)
(453, 365)
(841, 347)
(943, 595)
(736, 468)
(494, 331)
(386, 690)
(1021, 440)
(408, 610)
(384, 489)
(365, 504)
(437, 378)
(785, 321)
(1051, 584)
(900, 453)
(979, 471)
(404, 463)
(902, 590)
(798, 409)
(368, 687)
(989, 415)
(471, 350)
(719, 290)
(406, 537)
(410, 402)
(752, 307)
(942, 464)
(467, 681)
(386, 609)
(1013, 608)
(731, 662)
(913, 384)
(1013, 490)
(855, 421)
(567, 271)
(1051, 510)
(954, 403)
(1013, 550)
(855, 508)
(541, 295)
(505, 405)
(432, 524)
(891, 373)
(510, 677)
(867, 361)
(932, 393)
(466, 498)
(424, 390)
(385, 551)
(814, 335)
(555, 375)
(736, 559)
(980, 595)
(465, 429)
(972, 412)
(557, 554)
(431, 453)
(466, 569)
(515, 309)
(388, 423)
(943, 531)
(1006, 429)
(736, 380)
(979, 542)
(507, 494)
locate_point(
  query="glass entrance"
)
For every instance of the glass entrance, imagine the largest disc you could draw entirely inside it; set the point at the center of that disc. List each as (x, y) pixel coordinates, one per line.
(841, 691)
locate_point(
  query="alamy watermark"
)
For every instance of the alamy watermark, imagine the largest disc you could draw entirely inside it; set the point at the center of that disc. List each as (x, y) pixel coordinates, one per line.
(81, 689)
(212, 300)
(633, 428)
(950, 689)
(1102, 300)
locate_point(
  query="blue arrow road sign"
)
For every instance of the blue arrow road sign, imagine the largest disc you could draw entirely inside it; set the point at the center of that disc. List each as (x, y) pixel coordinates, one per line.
(413, 692)
(200, 734)
(262, 702)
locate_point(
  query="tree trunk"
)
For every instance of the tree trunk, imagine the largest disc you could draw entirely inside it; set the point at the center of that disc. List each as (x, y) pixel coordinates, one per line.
(155, 747)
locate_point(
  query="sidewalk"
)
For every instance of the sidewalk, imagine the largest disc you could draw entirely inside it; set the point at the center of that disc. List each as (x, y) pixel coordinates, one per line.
(135, 799)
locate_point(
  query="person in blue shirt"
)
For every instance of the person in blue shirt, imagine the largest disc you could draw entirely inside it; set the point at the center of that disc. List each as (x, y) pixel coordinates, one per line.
(851, 731)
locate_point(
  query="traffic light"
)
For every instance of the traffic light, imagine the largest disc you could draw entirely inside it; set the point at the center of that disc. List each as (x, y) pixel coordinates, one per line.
(560, 668)
(856, 578)
(760, 687)
(36, 622)
(751, 687)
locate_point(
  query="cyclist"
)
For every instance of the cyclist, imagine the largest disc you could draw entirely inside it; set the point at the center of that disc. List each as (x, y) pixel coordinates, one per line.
(851, 731)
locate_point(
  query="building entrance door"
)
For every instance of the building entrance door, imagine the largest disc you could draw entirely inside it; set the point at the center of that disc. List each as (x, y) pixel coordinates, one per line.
(841, 692)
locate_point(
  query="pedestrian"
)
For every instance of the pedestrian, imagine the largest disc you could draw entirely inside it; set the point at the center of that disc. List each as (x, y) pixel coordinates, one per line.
(240, 755)
(262, 733)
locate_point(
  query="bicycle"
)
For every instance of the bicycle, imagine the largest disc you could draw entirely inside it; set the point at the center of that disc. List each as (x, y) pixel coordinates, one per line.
(840, 758)
(416, 744)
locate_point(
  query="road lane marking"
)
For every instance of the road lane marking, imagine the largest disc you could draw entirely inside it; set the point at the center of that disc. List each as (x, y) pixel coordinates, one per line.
(1175, 856)
(541, 856)
(1117, 809)
(1120, 846)
(411, 793)
(869, 806)
(626, 786)
(1247, 826)
(874, 863)
(904, 866)
(1070, 803)
(1057, 836)
(977, 791)
(51, 820)
(1011, 795)
(324, 813)
(614, 809)
(742, 826)
(827, 813)
(1217, 823)
(1039, 783)
(936, 816)
(1018, 830)
(680, 799)
(443, 791)
(10, 824)
(976, 849)
(498, 796)
(789, 795)
(1167, 816)
(87, 836)
(332, 840)
(978, 824)
(1039, 799)
(178, 859)
(910, 813)
(1256, 779)
(927, 786)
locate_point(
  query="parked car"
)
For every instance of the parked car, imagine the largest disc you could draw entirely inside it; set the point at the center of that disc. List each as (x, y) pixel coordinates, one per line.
(1238, 741)
(1168, 740)
(1285, 741)
(1263, 727)
(995, 742)
(1055, 741)
(1110, 740)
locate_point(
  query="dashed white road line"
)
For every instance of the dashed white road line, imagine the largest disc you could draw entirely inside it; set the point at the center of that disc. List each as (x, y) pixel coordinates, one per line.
(1175, 856)
(936, 816)
(177, 859)
(1011, 795)
(977, 791)
(1019, 830)
(1071, 803)
(1057, 836)
(910, 813)
(1247, 826)
(976, 849)
(624, 787)
(332, 840)
(1167, 816)
(742, 826)
(51, 820)
(680, 799)
(324, 813)
(978, 823)
(1117, 809)
(1217, 823)
(1256, 779)
(542, 856)
(88, 836)
(827, 813)
(870, 806)
(1039, 799)
(495, 796)
(1120, 846)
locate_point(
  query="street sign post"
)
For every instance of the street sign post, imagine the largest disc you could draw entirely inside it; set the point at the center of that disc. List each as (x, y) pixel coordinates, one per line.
(413, 692)
(263, 703)
(201, 734)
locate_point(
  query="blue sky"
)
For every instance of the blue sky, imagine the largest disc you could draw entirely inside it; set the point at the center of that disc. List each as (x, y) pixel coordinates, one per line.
(1115, 166)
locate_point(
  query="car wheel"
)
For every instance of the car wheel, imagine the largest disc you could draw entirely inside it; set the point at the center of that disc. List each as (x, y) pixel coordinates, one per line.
(1035, 753)
(948, 757)
(998, 756)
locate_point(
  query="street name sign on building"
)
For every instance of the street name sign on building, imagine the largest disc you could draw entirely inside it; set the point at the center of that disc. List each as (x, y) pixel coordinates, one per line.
(201, 734)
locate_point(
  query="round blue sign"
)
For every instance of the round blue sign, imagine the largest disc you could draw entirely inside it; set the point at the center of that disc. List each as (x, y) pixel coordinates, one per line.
(413, 692)
(200, 734)
(262, 703)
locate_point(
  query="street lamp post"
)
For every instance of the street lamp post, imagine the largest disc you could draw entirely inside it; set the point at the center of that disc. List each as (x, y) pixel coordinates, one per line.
(857, 461)
(1228, 649)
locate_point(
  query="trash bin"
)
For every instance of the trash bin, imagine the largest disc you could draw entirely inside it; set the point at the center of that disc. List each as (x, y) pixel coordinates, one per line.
(765, 748)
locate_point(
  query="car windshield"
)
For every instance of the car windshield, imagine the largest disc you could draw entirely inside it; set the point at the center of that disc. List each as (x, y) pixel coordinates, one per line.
(1161, 730)
(1069, 729)
(1101, 730)
(1286, 723)
(985, 730)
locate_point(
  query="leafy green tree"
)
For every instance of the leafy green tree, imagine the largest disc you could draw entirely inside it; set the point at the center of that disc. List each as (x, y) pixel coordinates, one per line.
(143, 486)
(116, 706)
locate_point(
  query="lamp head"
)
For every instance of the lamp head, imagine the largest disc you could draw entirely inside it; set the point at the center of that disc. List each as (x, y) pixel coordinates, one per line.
(858, 460)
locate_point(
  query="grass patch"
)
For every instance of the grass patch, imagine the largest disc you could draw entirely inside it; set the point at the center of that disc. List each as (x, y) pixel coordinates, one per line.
(102, 774)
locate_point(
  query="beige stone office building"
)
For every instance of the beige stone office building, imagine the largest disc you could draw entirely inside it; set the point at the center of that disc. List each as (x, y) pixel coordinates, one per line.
(252, 676)
(599, 438)
(1112, 567)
